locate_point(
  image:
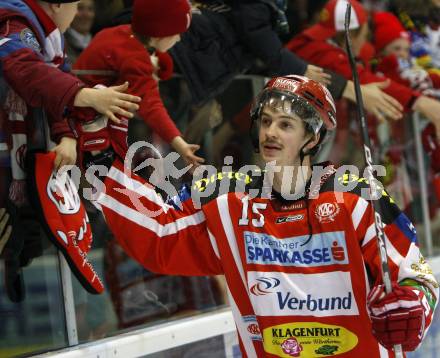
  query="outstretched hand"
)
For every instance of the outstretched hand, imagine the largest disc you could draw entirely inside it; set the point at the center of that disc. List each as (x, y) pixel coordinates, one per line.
(380, 104)
(109, 101)
(187, 151)
(317, 73)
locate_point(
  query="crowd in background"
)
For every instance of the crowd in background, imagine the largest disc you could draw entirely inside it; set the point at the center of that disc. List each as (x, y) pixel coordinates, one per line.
(206, 95)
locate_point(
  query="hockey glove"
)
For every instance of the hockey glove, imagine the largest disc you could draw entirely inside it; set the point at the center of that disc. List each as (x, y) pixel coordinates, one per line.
(397, 317)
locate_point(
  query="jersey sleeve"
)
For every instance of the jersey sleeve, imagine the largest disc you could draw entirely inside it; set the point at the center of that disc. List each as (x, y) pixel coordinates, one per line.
(161, 237)
(407, 264)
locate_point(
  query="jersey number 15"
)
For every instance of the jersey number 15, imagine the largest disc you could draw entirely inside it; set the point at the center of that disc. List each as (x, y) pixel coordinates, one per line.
(258, 220)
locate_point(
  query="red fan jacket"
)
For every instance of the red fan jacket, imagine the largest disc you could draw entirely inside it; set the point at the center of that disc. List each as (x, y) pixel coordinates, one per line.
(118, 56)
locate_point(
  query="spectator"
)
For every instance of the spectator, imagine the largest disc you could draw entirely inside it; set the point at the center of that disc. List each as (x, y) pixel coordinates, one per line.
(33, 56)
(78, 35)
(392, 44)
(32, 75)
(422, 19)
(324, 44)
(137, 54)
(226, 38)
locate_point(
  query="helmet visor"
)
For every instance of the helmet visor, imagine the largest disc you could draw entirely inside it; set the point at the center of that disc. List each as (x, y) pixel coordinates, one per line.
(291, 105)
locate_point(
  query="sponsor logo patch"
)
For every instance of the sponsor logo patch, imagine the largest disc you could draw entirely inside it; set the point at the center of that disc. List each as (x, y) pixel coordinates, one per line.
(327, 212)
(289, 219)
(252, 327)
(308, 339)
(300, 251)
(291, 347)
(264, 285)
(281, 294)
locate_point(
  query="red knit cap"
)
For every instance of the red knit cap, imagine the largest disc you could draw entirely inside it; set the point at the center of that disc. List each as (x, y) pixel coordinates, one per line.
(161, 18)
(332, 19)
(387, 28)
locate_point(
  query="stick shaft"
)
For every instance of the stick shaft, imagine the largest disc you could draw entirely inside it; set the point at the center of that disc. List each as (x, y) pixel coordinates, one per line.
(375, 187)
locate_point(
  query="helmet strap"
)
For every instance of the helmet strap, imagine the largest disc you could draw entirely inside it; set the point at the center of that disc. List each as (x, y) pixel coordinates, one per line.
(303, 153)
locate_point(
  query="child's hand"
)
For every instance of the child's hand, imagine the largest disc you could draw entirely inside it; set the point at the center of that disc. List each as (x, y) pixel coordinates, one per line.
(109, 101)
(186, 151)
(317, 73)
(65, 153)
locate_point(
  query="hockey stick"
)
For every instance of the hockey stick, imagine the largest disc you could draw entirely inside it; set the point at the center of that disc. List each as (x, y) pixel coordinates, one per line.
(374, 185)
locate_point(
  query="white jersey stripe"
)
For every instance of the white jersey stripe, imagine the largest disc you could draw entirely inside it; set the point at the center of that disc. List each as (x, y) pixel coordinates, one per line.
(149, 223)
(383, 351)
(225, 216)
(137, 187)
(358, 212)
(370, 234)
(213, 244)
(248, 345)
(392, 252)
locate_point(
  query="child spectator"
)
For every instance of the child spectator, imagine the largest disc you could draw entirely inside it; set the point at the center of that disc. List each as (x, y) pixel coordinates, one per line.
(33, 74)
(32, 65)
(421, 19)
(137, 54)
(78, 35)
(392, 43)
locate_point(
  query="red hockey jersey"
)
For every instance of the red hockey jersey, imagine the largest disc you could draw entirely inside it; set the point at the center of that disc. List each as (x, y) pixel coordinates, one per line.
(298, 272)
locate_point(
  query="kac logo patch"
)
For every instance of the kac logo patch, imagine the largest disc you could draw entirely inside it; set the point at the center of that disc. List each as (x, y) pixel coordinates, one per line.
(252, 327)
(327, 212)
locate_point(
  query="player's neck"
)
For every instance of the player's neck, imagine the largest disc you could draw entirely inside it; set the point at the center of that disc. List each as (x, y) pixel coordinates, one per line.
(291, 180)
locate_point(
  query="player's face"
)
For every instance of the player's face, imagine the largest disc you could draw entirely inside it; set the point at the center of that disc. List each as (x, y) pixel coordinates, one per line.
(63, 14)
(163, 44)
(281, 137)
(400, 48)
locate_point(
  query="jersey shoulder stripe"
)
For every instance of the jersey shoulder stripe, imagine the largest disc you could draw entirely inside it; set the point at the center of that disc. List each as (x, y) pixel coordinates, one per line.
(359, 186)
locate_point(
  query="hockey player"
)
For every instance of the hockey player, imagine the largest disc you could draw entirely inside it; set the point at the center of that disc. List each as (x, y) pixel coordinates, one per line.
(303, 273)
